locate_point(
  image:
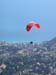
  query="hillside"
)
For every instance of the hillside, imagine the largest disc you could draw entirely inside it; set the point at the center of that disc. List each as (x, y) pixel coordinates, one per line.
(29, 58)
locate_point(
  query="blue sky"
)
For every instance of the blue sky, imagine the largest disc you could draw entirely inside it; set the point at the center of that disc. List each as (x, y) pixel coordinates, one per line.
(15, 14)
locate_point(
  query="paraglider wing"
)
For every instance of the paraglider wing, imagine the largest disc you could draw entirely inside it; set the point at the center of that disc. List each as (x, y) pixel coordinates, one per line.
(30, 24)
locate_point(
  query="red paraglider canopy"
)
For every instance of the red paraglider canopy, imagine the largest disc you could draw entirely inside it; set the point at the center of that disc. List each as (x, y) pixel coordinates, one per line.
(30, 24)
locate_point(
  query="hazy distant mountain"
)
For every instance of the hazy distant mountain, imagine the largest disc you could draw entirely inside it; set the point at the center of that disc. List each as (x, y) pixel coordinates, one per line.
(28, 58)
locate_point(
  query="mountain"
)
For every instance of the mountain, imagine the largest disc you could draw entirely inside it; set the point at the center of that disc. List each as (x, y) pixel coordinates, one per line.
(28, 58)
